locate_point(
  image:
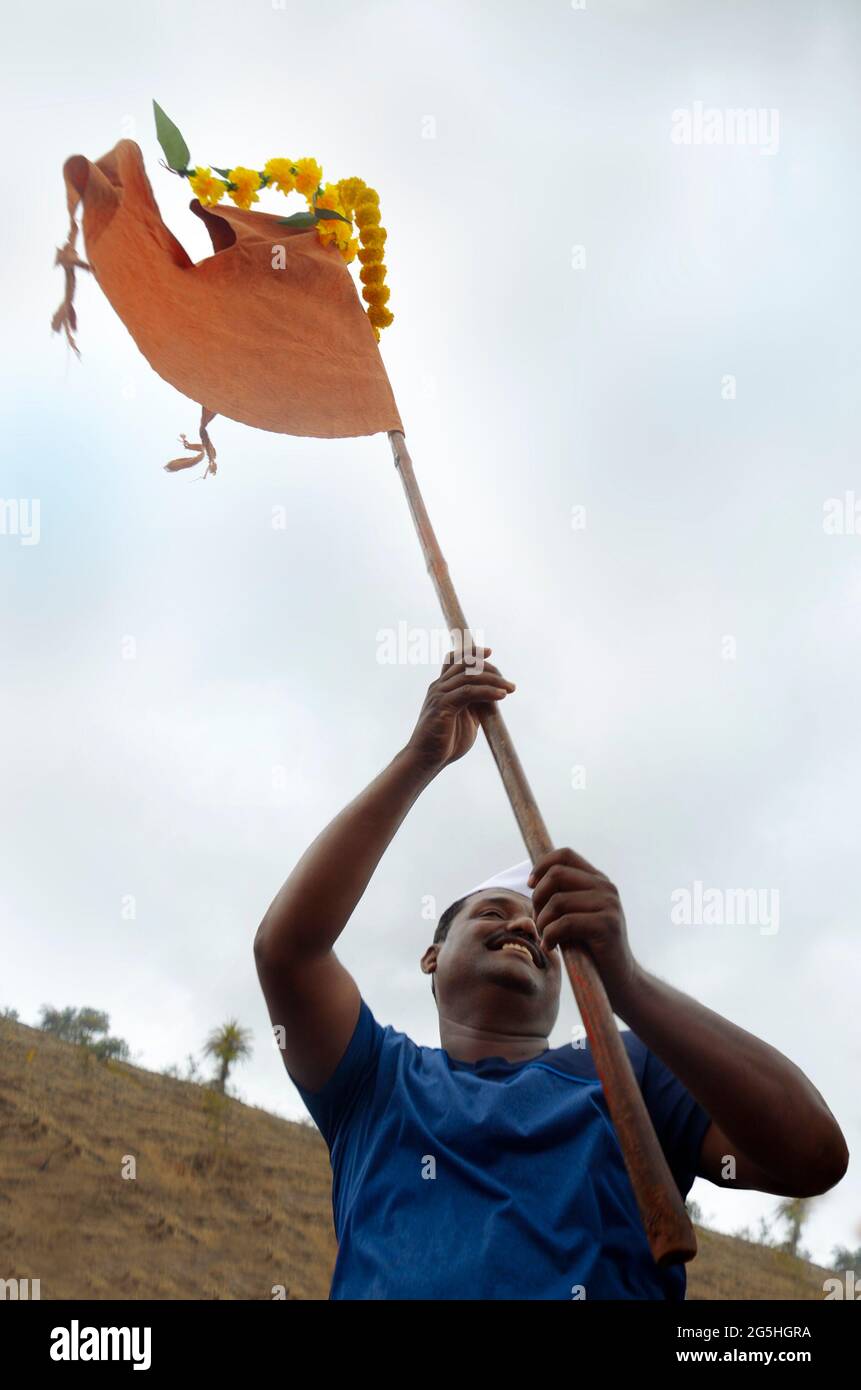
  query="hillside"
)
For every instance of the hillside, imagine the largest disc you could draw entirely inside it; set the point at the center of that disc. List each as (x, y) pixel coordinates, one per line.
(227, 1201)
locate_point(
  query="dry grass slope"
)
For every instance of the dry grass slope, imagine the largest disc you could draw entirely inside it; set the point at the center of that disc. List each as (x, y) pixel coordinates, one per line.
(228, 1201)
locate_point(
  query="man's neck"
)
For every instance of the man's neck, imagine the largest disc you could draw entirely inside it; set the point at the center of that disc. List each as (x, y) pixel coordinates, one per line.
(467, 1043)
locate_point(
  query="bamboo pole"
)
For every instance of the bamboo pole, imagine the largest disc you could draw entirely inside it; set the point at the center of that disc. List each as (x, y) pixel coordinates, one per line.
(668, 1228)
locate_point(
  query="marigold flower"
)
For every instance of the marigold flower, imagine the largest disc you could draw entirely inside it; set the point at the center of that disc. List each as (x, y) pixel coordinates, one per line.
(280, 174)
(376, 295)
(373, 274)
(246, 181)
(380, 316)
(349, 251)
(374, 236)
(330, 198)
(331, 231)
(207, 189)
(368, 215)
(309, 176)
(350, 190)
(338, 231)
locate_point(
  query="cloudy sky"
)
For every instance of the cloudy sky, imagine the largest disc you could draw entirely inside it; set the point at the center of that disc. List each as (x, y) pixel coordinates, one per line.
(626, 355)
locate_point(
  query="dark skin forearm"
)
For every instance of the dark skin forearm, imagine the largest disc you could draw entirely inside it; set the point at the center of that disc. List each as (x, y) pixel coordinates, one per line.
(309, 913)
(768, 1115)
(313, 999)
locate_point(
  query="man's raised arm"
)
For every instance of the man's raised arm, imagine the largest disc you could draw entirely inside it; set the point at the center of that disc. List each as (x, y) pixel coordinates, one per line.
(308, 992)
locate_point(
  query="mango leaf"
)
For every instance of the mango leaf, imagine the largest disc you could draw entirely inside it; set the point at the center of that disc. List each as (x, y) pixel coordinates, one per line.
(175, 149)
(327, 214)
(299, 219)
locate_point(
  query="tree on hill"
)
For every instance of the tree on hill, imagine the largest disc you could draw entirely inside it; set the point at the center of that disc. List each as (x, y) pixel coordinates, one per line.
(844, 1259)
(85, 1027)
(228, 1044)
(794, 1211)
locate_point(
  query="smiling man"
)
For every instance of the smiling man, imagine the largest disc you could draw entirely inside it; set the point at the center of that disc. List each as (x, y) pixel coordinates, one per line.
(489, 1167)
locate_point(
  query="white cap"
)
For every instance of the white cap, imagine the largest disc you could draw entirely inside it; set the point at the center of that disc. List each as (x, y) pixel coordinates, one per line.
(513, 879)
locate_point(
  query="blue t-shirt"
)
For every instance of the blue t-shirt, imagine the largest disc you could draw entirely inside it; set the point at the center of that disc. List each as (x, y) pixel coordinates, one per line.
(491, 1179)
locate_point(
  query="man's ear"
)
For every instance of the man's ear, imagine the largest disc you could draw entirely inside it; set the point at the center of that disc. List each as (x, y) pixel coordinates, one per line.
(428, 960)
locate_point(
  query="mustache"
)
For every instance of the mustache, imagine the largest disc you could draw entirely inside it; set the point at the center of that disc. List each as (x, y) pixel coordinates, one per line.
(499, 938)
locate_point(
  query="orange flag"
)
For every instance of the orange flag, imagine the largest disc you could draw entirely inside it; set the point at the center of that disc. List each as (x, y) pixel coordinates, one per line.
(269, 330)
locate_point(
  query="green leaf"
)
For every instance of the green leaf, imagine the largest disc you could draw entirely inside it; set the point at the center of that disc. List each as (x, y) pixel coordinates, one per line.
(327, 214)
(310, 219)
(175, 149)
(299, 219)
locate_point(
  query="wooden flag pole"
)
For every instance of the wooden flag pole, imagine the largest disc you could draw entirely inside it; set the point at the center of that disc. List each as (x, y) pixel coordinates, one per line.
(668, 1227)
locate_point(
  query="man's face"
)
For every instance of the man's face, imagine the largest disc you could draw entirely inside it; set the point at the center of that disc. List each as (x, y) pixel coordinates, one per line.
(491, 968)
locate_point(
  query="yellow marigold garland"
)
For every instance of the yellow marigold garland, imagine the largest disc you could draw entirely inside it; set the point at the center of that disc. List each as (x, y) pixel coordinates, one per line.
(351, 200)
(207, 189)
(363, 203)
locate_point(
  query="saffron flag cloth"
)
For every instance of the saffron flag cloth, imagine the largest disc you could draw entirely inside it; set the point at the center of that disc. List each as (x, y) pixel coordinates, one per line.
(269, 330)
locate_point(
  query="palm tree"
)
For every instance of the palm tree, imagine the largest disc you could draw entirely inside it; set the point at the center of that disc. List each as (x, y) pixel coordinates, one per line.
(228, 1044)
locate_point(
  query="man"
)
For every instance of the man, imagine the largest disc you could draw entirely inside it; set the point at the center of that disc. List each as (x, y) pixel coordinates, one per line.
(489, 1167)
